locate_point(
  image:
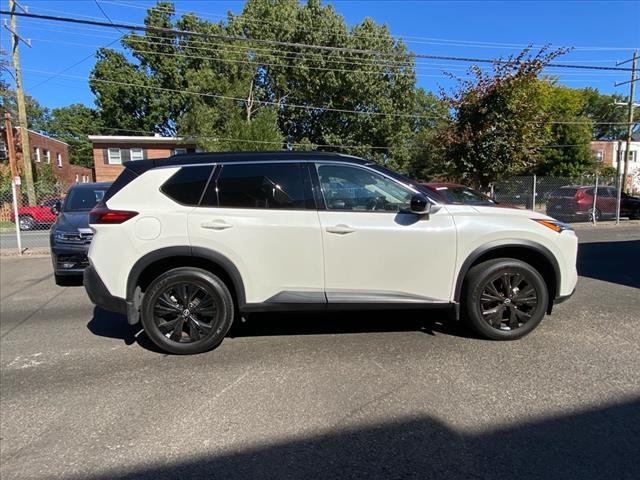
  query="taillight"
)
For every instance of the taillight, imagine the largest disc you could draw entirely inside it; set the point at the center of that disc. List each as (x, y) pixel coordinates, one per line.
(580, 194)
(102, 214)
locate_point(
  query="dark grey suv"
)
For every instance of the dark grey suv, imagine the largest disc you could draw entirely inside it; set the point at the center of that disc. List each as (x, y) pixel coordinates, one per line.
(70, 234)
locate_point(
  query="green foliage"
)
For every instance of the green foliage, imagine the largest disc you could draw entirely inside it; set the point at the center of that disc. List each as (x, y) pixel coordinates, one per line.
(500, 121)
(602, 108)
(37, 115)
(569, 133)
(290, 81)
(73, 125)
(259, 133)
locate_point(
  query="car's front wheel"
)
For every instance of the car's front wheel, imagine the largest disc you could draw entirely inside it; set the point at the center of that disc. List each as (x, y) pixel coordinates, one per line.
(187, 310)
(27, 223)
(505, 298)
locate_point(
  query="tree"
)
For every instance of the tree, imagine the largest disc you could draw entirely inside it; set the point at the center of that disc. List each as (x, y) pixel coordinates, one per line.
(569, 133)
(37, 115)
(500, 123)
(73, 125)
(200, 87)
(608, 118)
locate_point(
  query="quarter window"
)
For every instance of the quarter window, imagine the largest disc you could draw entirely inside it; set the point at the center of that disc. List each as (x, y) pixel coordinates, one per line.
(187, 184)
(114, 156)
(136, 154)
(179, 151)
(258, 185)
(346, 187)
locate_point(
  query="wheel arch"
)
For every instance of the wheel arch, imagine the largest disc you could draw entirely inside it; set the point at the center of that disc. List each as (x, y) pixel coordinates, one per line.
(159, 261)
(536, 255)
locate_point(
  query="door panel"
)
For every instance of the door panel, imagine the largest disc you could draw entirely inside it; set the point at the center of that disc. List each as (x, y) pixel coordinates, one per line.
(375, 251)
(258, 215)
(390, 254)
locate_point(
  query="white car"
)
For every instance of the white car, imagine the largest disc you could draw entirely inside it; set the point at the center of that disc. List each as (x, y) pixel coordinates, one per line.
(188, 243)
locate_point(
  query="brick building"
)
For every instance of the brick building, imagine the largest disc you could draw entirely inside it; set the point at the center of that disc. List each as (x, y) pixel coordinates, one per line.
(606, 151)
(109, 152)
(46, 153)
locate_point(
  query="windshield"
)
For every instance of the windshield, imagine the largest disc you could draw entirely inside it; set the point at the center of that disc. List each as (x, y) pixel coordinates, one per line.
(464, 195)
(83, 199)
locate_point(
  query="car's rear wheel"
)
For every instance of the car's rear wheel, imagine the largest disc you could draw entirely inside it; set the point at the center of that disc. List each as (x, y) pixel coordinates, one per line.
(187, 310)
(26, 222)
(595, 214)
(505, 298)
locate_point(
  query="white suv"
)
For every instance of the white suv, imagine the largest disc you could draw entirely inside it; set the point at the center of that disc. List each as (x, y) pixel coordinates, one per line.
(188, 243)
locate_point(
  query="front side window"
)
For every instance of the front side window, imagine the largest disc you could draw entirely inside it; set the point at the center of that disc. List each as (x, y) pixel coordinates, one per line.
(259, 185)
(114, 156)
(136, 154)
(347, 187)
(187, 184)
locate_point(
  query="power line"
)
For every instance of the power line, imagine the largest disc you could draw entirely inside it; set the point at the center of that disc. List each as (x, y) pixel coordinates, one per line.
(246, 50)
(404, 38)
(292, 44)
(295, 54)
(304, 107)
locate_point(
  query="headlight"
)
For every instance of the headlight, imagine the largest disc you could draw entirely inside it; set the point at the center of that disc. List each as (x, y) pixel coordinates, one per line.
(554, 225)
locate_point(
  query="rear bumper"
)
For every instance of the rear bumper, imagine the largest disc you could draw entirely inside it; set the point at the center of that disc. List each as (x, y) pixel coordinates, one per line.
(100, 295)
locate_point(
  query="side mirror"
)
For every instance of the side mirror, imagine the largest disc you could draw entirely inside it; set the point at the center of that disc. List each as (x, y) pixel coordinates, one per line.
(420, 205)
(56, 208)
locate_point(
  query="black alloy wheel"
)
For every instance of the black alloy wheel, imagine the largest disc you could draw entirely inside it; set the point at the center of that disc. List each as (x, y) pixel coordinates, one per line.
(187, 310)
(504, 298)
(508, 301)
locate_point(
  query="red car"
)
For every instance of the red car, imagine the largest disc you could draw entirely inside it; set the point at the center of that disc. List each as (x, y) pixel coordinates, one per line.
(454, 193)
(37, 216)
(576, 203)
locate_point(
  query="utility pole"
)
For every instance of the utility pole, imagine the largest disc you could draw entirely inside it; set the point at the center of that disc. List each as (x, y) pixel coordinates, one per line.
(22, 110)
(632, 91)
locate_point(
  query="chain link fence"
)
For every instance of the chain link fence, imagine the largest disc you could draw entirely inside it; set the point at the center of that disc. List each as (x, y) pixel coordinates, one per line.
(23, 226)
(580, 199)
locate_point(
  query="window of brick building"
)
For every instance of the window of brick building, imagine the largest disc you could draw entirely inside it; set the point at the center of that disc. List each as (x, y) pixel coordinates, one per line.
(114, 156)
(59, 159)
(47, 156)
(36, 154)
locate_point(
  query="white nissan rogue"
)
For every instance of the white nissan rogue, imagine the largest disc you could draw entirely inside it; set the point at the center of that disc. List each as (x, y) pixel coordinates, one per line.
(186, 244)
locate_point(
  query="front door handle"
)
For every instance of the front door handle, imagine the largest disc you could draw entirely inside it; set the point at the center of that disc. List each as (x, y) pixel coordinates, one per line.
(340, 229)
(216, 225)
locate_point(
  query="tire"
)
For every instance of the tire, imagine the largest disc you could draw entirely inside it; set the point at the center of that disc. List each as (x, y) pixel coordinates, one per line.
(26, 223)
(187, 310)
(514, 316)
(598, 214)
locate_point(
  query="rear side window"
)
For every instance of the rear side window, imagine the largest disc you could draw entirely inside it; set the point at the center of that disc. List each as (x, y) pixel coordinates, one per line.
(125, 177)
(187, 184)
(259, 185)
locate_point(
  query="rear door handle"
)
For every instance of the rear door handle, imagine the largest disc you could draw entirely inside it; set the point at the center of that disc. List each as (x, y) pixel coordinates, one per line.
(216, 225)
(340, 229)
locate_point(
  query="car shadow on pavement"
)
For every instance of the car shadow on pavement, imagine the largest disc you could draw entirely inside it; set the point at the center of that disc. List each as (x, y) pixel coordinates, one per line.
(601, 443)
(614, 262)
(430, 322)
(113, 325)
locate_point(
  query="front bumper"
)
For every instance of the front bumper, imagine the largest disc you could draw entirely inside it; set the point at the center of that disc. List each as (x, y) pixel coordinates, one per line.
(100, 295)
(69, 259)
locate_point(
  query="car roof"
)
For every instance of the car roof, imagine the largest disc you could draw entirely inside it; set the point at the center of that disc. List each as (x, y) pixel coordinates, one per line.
(140, 166)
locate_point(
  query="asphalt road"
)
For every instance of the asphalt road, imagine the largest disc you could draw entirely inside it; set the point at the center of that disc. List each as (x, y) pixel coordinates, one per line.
(388, 395)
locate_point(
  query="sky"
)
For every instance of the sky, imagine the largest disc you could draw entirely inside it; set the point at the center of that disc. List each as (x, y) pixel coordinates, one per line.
(601, 33)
